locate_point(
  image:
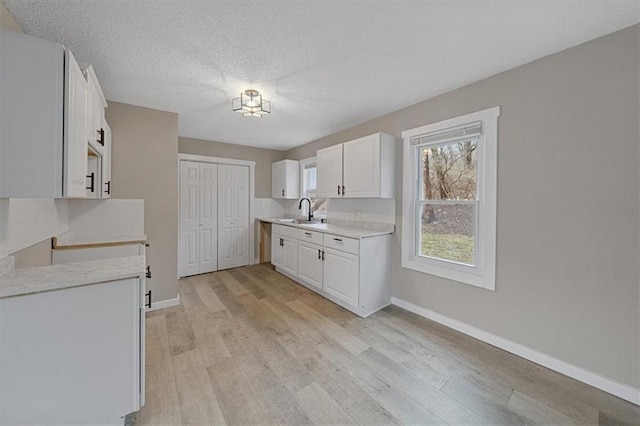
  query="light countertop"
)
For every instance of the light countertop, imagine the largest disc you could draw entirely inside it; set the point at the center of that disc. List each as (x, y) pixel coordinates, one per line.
(356, 230)
(65, 242)
(22, 282)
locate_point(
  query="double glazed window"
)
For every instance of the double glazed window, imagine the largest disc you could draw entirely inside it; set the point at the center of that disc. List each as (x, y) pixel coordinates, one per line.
(449, 198)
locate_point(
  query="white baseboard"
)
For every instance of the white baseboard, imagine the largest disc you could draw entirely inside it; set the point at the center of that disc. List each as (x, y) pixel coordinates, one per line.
(164, 304)
(611, 386)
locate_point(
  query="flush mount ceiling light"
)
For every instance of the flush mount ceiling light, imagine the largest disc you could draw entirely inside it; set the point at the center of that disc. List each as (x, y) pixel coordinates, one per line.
(251, 104)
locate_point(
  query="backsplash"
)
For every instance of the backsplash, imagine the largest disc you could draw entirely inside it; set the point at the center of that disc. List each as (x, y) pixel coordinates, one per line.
(27, 221)
(363, 209)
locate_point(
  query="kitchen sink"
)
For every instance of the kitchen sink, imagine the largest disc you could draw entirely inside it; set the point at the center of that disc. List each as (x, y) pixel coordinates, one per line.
(297, 221)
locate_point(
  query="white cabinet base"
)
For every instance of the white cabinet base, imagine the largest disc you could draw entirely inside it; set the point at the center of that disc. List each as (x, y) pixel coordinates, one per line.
(371, 269)
(72, 356)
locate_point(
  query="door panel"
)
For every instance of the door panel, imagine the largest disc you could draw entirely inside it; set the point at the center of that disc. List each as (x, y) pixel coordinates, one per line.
(361, 160)
(310, 263)
(75, 138)
(290, 256)
(189, 221)
(276, 250)
(233, 221)
(208, 217)
(341, 275)
(329, 161)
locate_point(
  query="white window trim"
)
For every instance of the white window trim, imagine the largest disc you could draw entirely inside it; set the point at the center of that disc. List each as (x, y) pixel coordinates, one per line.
(303, 163)
(483, 274)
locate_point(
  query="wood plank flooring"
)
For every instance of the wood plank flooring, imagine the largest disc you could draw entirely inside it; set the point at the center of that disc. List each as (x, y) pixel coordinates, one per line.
(249, 346)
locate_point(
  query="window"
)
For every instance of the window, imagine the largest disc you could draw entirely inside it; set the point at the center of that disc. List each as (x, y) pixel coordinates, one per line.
(449, 198)
(309, 188)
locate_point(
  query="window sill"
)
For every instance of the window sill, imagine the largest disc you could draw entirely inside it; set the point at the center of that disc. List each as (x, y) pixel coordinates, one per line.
(449, 272)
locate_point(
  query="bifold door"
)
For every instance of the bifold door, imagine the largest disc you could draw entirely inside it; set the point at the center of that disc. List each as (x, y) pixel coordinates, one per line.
(233, 216)
(198, 218)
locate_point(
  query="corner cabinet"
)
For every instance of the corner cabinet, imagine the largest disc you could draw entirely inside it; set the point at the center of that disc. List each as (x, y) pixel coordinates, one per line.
(45, 115)
(362, 168)
(285, 179)
(77, 356)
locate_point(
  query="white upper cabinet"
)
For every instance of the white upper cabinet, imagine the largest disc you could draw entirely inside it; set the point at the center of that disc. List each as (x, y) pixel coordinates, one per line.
(362, 168)
(45, 115)
(106, 162)
(285, 179)
(329, 163)
(96, 104)
(74, 173)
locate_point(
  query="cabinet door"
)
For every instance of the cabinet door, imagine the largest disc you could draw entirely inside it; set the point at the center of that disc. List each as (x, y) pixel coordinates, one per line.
(208, 216)
(329, 161)
(189, 220)
(75, 138)
(276, 250)
(310, 263)
(290, 256)
(233, 216)
(362, 167)
(106, 162)
(341, 276)
(277, 180)
(75, 357)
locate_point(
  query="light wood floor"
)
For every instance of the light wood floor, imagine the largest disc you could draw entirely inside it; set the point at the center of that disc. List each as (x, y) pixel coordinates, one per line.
(249, 346)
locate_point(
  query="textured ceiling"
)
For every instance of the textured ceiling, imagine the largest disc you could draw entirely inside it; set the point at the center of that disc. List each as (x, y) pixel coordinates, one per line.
(325, 66)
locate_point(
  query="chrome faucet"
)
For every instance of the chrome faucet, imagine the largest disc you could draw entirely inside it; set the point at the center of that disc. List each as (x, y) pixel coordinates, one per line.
(310, 212)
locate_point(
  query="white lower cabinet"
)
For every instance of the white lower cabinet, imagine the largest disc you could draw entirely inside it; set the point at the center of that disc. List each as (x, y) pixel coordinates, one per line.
(290, 255)
(77, 356)
(341, 276)
(354, 273)
(310, 263)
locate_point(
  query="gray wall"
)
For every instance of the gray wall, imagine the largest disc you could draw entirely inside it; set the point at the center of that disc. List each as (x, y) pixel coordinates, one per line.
(568, 190)
(262, 157)
(145, 165)
(7, 21)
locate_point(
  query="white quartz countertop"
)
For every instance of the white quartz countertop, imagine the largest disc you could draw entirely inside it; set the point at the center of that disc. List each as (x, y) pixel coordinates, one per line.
(26, 281)
(364, 230)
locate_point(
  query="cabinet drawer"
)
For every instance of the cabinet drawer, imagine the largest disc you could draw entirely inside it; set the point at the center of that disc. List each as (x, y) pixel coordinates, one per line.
(287, 231)
(350, 245)
(310, 236)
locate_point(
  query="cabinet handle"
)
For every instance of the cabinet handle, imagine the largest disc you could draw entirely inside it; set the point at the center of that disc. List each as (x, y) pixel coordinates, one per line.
(281, 242)
(148, 271)
(319, 254)
(338, 189)
(108, 190)
(338, 240)
(344, 190)
(101, 137)
(283, 192)
(148, 304)
(92, 176)
(307, 233)
(322, 254)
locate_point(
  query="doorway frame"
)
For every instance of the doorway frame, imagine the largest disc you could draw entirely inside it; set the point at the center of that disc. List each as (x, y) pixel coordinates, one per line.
(233, 162)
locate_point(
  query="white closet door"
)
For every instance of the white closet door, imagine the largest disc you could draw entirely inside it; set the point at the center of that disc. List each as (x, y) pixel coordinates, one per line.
(208, 206)
(189, 219)
(233, 216)
(241, 213)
